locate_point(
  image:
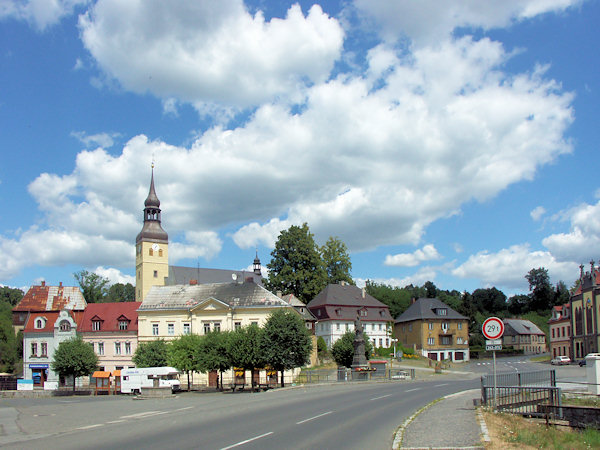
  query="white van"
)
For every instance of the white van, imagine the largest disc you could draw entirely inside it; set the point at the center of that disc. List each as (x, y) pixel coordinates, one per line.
(133, 380)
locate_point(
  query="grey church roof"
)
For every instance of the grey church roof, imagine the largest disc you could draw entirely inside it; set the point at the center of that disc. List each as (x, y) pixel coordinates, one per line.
(427, 308)
(186, 296)
(183, 275)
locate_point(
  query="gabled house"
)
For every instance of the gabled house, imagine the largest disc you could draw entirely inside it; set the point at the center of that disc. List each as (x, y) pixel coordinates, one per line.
(585, 311)
(47, 298)
(560, 331)
(434, 330)
(43, 333)
(111, 328)
(523, 335)
(337, 307)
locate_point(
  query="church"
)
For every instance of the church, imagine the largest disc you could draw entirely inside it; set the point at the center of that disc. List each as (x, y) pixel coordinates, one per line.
(152, 257)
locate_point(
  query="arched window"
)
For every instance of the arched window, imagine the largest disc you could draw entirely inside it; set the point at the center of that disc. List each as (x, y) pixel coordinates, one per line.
(65, 326)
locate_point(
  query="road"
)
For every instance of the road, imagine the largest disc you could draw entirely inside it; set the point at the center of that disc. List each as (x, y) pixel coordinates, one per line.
(348, 415)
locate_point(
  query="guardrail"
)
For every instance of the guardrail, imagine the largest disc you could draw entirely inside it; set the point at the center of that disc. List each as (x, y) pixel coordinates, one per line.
(344, 375)
(524, 400)
(532, 378)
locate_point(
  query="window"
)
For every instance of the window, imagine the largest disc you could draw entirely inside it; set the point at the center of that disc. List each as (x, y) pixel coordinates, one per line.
(431, 325)
(363, 312)
(442, 312)
(123, 324)
(380, 327)
(33, 349)
(217, 326)
(160, 252)
(347, 326)
(96, 324)
(44, 349)
(186, 328)
(372, 327)
(445, 326)
(65, 326)
(39, 323)
(381, 342)
(237, 325)
(459, 340)
(460, 325)
(154, 329)
(150, 252)
(430, 341)
(337, 326)
(100, 348)
(156, 274)
(206, 328)
(171, 329)
(387, 342)
(446, 340)
(128, 348)
(254, 323)
(410, 327)
(117, 348)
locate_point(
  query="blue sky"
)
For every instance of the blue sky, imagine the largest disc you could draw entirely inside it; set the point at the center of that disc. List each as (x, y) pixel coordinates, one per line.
(448, 141)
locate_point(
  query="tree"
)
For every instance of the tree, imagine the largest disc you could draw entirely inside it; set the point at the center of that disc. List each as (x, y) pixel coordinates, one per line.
(151, 354)
(321, 348)
(93, 286)
(213, 354)
(243, 348)
(518, 304)
(74, 358)
(431, 289)
(9, 355)
(397, 299)
(285, 341)
(343, 349)
(336, 261)
(11, 296)
(490, 299)
(296, 266)
(120, 292)
(182, 353)
(561, 293)
(541, 292)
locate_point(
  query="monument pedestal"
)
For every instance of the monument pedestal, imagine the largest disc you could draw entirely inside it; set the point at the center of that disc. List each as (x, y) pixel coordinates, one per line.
(360, 372)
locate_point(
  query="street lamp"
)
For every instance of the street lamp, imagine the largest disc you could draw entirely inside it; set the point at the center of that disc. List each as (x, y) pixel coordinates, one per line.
(394, 341)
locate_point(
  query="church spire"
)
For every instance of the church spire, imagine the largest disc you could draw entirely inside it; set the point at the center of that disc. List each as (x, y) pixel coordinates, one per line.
(152, 229)
(256, 265)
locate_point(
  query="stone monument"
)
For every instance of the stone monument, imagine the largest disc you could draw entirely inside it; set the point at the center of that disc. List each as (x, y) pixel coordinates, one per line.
(359, 362)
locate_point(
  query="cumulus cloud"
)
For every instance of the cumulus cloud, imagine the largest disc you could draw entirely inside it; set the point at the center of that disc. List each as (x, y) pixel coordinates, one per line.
(114, 276)
(582, 242)
(429, 21)
(104, 140)
(206, 52)
(537, 213)
(427, 253)
(40, 13)
(508, 267)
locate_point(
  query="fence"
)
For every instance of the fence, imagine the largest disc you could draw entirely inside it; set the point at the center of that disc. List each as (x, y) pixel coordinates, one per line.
(533, 378)
(8, 383)
(525, 400)
(345, 375)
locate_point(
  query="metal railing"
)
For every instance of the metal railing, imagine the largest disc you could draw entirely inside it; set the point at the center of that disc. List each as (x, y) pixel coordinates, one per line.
(344, 375)
(533, 378)
(524, 400)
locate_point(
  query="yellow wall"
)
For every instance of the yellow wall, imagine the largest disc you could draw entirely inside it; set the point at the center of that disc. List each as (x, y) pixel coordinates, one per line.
(416, 333)
(147, 261)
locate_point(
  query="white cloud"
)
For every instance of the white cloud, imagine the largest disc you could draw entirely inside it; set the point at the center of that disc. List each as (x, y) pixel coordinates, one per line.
(537, 213)
(582, 242)
(40, 13)
(430, 21)
(419, 278)
(427, 253)
(508, 267)
(104, 140)
(207, 52)
(114, 276)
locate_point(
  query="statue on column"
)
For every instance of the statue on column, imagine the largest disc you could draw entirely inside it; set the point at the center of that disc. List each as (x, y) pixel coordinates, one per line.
(359, 344)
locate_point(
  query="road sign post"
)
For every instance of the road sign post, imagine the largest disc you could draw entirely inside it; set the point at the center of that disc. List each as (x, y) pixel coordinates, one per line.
(493, 329)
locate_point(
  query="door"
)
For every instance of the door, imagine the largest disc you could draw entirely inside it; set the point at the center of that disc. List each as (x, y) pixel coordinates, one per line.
(213, 377)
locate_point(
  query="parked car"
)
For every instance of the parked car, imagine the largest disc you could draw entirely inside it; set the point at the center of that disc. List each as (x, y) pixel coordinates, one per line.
(560, 360)
(583, 363)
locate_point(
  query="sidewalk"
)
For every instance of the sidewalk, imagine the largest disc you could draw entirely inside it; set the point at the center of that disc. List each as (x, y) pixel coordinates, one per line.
(451, 422)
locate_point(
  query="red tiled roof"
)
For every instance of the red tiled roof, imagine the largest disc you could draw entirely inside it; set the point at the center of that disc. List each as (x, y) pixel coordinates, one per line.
(110, 314)
(51, 317)
(51, 298)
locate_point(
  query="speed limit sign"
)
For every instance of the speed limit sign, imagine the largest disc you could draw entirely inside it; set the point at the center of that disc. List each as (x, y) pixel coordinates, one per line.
(493, 328)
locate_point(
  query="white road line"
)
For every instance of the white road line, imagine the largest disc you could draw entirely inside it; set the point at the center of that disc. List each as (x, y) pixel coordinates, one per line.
(117, 421)
(91, 426)
(142, 414)
(247, 440)
(183, 409)
(315, 417)
(383, 396)
(411, 390)
(443, 384)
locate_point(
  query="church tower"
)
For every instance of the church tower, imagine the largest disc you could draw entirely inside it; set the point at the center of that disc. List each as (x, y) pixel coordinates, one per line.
(151, 248)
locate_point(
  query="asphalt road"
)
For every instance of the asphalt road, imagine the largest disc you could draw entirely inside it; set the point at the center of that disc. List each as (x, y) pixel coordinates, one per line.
(349, 415)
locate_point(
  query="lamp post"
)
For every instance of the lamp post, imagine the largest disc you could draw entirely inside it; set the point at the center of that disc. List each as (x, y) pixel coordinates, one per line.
(394, 341)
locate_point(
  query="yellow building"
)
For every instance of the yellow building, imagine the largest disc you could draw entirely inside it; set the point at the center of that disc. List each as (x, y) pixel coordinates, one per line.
(434, 330)
(585, 311)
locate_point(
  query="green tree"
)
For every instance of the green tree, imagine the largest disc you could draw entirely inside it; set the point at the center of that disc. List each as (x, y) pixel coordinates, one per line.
(397, 299)
(243, 348)
(430, 289)
(182, 353)
(120, 292)
(561, 294)
(74, 358)
(213, 354)
(93, 286)
(518, 304)
(343, 349)
(9, 355)
(541, 292)
(151, 354)
(490, 299)
(336, 261)
(296, 266)
(321, 348)
(285, 341)
(11, 296)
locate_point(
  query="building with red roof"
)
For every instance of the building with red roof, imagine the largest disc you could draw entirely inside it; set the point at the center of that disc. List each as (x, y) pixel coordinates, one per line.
(560, 331)
(112, 330)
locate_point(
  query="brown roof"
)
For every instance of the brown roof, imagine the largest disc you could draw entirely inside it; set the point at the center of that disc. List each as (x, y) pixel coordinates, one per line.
(342, 302)
(52, 298)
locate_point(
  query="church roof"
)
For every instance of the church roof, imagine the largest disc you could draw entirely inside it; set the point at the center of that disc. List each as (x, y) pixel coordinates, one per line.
(186, 296)
(152, 200)
(183, 275)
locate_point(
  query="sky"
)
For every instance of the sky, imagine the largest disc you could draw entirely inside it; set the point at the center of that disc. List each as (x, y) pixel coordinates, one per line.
(444, 141)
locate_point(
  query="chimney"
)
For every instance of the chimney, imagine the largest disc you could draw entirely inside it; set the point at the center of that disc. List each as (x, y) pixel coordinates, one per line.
(364, 292)
(193, 282)
(279, 294)
(60, 284)
(43, 283)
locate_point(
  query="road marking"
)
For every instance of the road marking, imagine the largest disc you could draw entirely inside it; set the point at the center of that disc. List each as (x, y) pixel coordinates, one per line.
(443, 384)
(117, 421)
(411, 390)
(143, 414)
(383, 396)
(91, 426)
(315, 417)
(247, 440)
(183, 409)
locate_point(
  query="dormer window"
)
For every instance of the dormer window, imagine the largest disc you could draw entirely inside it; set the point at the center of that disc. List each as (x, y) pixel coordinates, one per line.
(96, 325)
(442, 312)
(65, 326)
(39, 323)
(123, 324)
(363, 313)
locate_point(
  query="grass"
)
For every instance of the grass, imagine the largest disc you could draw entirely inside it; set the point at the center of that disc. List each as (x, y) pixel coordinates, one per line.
(580, 401)
(542, 358)
(513, 431)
